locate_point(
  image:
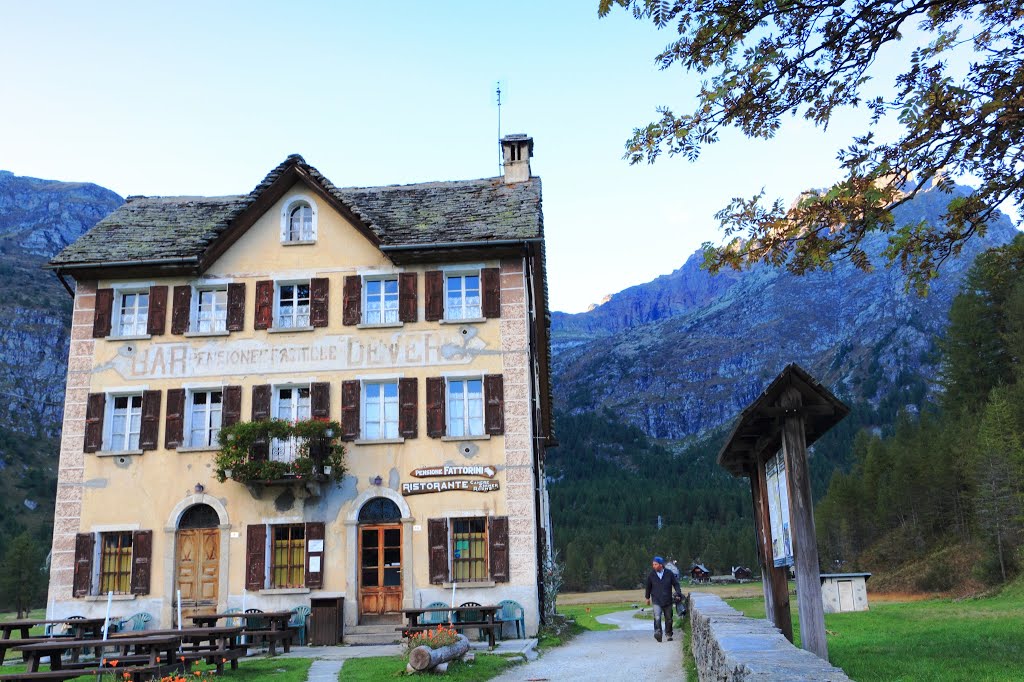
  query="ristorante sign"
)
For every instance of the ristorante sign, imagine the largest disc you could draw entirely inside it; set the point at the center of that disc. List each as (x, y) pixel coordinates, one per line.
(324, 353)
(463, 485)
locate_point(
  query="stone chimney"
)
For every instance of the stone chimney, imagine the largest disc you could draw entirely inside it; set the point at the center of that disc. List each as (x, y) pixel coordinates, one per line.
(516, 151)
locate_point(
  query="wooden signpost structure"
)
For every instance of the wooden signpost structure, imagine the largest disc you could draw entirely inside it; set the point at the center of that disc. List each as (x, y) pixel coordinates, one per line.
(792, 413)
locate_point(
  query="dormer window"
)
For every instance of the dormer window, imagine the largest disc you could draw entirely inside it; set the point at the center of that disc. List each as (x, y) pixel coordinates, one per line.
(298, 221)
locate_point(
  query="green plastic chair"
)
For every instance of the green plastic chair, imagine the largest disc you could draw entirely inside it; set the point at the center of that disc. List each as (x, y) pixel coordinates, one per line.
(471, 616)
(435, 617)
(134, 623)
(298, 622)
(512, 612)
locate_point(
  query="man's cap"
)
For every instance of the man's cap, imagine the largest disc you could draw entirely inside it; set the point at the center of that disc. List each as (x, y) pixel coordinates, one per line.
(658, 559)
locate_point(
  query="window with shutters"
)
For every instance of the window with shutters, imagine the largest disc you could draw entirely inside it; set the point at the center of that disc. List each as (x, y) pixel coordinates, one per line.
(210, 310)
(288, 556)
(204, 414)
(380, 410)
(465, 407)
(462, 297)
(298, 221)
(380, 304)
(291, 404)
(115, 574)
(292, 305)
(123, 423)
(131, 312)
(469, 550)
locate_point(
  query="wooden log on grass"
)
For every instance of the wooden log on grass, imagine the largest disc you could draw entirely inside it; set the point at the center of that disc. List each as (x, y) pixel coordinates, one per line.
(424, 658)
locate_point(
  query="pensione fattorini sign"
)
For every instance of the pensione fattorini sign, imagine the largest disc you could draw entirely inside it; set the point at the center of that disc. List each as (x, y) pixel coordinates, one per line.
(325, 353)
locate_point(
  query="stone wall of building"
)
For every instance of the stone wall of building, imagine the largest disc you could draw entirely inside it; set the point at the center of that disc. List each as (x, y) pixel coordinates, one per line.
(729, 647)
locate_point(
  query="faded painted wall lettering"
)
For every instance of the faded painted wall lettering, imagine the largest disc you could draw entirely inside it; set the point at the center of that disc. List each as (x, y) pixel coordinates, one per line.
(326, 353)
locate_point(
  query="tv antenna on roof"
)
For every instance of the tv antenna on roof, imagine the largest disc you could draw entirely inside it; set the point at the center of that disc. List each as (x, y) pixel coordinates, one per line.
(501, 159)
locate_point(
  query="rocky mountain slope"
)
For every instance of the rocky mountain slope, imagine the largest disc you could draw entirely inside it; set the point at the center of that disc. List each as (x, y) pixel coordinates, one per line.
(37, 219)
(683, 354)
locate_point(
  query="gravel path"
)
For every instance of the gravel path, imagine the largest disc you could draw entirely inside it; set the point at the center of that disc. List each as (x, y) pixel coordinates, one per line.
(630, 654)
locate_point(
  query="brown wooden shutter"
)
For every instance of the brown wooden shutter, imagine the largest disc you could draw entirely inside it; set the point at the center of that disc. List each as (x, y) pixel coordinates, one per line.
(437, 538)
(352, 301)
(149, 431)
(490, 286)
(314, 579)
(156, 322)
(181, 309)
(264, 304)
(260, 412)
(433, 295)
(104, 313)
(318, 301)
(494, 404)
(174, 422)
(407, 303)
(255, 556)
(435, 407)
(408, 407)
(350, 410)
(94, 422)
(232, 406)
(497, 538)
(320, 400)
(82, 585)
(142, 551)
(236, 307)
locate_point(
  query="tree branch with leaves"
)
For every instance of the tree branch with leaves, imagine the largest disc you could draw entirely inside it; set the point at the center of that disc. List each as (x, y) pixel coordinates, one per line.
(763, 60)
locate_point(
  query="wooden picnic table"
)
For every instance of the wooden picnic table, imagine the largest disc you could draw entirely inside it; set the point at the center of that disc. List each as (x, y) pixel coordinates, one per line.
(215, 644)
(488, 621)
(80, 628)
(274, 626)
(152, 646)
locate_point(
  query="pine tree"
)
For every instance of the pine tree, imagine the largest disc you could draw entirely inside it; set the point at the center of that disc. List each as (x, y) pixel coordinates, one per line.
(21, 575)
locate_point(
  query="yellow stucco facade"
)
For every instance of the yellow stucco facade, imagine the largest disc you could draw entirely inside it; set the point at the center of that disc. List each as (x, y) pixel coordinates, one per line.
(131, 490)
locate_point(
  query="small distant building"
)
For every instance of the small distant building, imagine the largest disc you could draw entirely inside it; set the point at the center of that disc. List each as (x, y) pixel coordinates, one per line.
(700, 573)
(842, 592)
(742, 573)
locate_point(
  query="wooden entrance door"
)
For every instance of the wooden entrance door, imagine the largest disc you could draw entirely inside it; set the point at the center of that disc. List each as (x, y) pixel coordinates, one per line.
(380, 569)
(197, 570)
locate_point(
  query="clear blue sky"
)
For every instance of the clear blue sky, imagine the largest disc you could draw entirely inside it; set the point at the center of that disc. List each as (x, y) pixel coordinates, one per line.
(206, 97)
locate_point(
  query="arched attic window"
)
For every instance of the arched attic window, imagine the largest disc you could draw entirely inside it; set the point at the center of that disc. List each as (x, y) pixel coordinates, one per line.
(298, 221)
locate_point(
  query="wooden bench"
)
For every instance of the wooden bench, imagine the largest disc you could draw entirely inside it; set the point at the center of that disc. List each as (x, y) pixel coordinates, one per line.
(45, 675)
(272, 637)
(6, 644)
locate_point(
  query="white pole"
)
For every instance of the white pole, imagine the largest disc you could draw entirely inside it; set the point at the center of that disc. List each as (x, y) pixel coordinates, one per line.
(451, 614)
(106, 619)
(179, 610)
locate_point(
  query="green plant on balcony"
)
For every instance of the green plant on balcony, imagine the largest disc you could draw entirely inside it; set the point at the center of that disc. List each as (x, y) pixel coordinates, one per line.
(319, 454)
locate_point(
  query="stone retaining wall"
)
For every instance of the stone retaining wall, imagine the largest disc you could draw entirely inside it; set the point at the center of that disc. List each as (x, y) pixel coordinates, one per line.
(729, 647)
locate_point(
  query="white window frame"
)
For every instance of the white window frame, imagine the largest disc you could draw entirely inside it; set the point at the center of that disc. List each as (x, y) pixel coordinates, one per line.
(449, 314)
(383, 321)
(381, 421)
(466, 415)
(277, 325)
(197, 292)
(115, 323)
(287, 450)
(108, 423)
(290, 205)
(189, 405)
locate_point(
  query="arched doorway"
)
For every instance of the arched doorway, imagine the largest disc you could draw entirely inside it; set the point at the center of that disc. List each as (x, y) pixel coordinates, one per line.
(197, 560)
(380, 560)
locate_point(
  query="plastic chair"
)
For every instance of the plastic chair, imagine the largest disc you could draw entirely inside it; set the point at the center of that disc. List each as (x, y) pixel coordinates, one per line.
(134, 623)
(471, 616)
(435, 617)
(298, 622)
(232, 622)
(254, 624)
(512, 612)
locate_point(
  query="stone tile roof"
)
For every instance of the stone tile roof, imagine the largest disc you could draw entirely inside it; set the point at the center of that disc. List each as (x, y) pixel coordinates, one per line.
(168, 228)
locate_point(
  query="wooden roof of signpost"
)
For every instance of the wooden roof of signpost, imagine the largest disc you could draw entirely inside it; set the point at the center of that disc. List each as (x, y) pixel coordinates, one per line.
(759, 427)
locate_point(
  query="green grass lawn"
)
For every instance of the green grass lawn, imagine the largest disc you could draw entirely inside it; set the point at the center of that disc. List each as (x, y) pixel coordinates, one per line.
(936, 640)
(484, 667)
(249, 670)
(586, 615)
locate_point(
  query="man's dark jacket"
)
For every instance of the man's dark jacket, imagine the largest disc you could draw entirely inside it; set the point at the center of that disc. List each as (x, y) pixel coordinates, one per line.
(659, 590)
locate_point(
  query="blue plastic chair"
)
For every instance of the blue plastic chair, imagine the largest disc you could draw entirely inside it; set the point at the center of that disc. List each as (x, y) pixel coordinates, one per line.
(298, 622)
(512, 612)
(435, 617)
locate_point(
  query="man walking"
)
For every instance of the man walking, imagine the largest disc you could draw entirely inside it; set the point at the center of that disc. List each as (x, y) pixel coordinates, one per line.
(658, 592)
